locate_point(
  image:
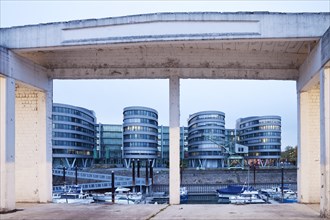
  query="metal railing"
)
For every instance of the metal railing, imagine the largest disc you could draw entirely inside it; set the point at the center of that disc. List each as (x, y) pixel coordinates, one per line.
(123, 181)
(91, 176)
(211, 188)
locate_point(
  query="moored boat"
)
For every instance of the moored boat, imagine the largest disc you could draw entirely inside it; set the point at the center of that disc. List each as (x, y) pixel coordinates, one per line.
(232, 190)
(276, 194)
(122, 196)
(247, 197)
(74, 194)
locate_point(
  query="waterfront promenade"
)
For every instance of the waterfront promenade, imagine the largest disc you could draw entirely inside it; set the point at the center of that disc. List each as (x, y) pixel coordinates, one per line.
(32, 211)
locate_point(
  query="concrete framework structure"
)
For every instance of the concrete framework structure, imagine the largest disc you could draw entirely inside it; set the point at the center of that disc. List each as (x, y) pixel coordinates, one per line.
(244, 45)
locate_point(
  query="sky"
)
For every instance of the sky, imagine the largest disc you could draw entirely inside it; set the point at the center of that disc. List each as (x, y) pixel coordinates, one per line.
(107, 98)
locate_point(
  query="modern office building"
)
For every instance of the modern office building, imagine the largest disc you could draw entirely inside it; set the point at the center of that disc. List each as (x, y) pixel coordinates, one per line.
(109, 145)
(140, 134)
(79, 141)
(74, 136)
(206, 139)
(262, 135)
(164, 142)
(230, 136)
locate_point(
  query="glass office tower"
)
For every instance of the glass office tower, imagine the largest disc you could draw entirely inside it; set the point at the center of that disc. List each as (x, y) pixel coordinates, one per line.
(74, 136)
(164, 145)
(206, 139)
(140, 134)
(262, 135)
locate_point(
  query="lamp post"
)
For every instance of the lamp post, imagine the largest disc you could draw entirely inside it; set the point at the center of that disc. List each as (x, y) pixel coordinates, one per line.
(76, 175)
(282, 182)
(64, 176)
(133, 175)
(113, 187)
(147, 177)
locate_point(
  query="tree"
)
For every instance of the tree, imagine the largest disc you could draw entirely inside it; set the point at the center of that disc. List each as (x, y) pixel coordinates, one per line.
(289, 155)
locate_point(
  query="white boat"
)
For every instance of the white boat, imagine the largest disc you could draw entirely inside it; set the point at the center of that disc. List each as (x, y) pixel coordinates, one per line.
(57, 195)
(124, 200)
(74, 195)
(74, 198)
(122, 196)
(125, 192)
(276, 192)
(102, 196)
(247, 197)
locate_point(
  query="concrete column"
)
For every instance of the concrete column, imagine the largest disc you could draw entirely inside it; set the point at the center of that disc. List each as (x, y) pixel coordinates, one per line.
(174, 140)
(309, 146)
(325, 141)
(33, 144)
(7, 144)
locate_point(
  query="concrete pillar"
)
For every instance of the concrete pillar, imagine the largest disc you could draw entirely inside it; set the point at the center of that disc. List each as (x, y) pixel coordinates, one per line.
(325, 141)
(33, 144)
(174, 140)
(7, 144)
(309, 146)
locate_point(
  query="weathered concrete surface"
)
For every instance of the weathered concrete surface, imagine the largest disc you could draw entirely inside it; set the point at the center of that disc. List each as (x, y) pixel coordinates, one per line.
(241, 45)
(167, 26)
(163, 212)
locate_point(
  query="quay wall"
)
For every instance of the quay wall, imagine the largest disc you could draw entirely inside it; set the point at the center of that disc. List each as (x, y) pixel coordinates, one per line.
(230, 176)
(216, 176)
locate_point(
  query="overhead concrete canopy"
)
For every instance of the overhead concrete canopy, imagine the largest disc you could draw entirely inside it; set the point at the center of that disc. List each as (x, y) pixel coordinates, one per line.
(242, 45)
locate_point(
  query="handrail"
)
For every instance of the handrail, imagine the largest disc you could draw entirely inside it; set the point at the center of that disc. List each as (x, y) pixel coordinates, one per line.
(93, 176)
(123, 181)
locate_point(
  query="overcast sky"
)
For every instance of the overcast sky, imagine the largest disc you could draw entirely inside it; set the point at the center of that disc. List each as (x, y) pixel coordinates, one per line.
(236, 98)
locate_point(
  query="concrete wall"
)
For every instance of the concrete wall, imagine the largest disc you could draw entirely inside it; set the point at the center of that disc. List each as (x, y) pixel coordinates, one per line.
(33, 161)
(7, 144)
(309, 146)
(26, 148)
(192, 176)
(325, 141)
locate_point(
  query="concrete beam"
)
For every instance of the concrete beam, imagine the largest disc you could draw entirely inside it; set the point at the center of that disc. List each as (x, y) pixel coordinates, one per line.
(325, 50)
(325, 142)
(167, 27)
(308, 71)
(164, 73)
(22, 69)
(317, 59)
(252, 55)
(7, 144)
(174, 182)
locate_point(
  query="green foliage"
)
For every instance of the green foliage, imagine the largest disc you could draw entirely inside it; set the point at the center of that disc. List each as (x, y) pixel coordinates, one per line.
(289, 155)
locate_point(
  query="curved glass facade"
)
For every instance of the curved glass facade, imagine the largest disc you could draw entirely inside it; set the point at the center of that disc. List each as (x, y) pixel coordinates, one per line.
(206, 135)
(140, 133)
(262, 135)
(74, 136)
